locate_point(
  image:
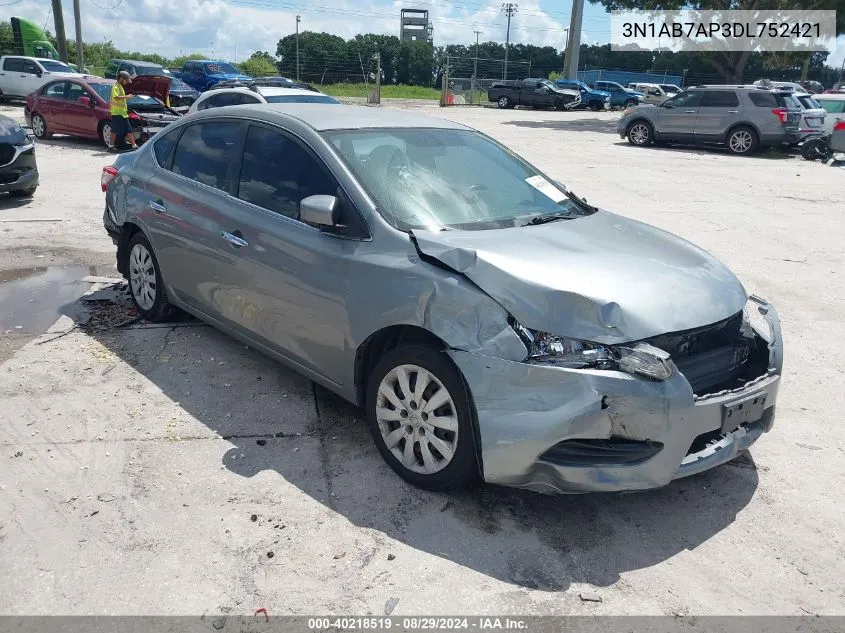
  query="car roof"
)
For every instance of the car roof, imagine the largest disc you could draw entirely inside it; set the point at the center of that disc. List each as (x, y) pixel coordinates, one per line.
(829, 96)
(272, 91)
(322, 117)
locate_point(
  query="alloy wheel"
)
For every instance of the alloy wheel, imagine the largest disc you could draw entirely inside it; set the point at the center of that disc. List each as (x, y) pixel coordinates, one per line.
(417, 418)
(740, 141)
(639, 134)
(503, 102)
(38, 126)
(107, 134)
(142, 276)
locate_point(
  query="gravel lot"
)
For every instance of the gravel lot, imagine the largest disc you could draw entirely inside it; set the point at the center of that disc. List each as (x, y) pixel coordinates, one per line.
(170, 470)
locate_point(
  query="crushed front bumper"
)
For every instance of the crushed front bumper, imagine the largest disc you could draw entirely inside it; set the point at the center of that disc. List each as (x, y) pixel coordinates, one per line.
(530, 415)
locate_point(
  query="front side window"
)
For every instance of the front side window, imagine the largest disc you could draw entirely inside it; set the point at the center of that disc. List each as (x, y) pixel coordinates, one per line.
(205, 151)
(686, 100)
(719, 99)
(75, 91)
(438, 178)
(277, 173)
(32, 68)
(56, 90)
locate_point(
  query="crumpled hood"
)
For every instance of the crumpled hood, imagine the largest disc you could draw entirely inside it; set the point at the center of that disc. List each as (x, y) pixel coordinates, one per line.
(578, 277)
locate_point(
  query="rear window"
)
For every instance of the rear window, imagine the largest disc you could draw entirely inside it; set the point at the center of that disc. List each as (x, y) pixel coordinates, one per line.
(808, 102)
(719, 99)
(763, 99)
(788, 101)
(832, 106)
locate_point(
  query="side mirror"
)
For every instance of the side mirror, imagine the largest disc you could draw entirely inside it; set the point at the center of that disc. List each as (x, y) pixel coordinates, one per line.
(39, 72)
(321, 211)
(86, 101)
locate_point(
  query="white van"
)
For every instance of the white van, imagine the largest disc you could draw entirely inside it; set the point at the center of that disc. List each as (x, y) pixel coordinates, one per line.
(653, 93)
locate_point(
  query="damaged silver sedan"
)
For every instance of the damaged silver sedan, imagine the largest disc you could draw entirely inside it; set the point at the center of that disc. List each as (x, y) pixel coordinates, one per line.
(490, 322)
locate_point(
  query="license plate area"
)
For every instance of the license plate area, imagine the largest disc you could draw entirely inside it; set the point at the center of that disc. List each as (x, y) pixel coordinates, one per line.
(749, 409)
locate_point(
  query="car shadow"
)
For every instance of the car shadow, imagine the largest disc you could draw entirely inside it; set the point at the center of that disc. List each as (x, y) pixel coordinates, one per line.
(769, 153)
(8, 202)
(278, 421)
(570, 125)
(75, 142)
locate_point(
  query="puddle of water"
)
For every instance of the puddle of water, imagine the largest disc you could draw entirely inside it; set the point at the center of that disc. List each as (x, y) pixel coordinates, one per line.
(31, 299)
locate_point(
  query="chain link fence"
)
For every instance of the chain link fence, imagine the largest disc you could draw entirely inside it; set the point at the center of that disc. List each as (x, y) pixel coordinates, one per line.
(466, 80)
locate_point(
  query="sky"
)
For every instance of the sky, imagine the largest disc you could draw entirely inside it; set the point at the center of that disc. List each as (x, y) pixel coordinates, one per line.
(232, 29)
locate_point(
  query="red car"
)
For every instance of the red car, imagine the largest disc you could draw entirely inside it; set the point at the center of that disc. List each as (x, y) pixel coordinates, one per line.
(80, 107)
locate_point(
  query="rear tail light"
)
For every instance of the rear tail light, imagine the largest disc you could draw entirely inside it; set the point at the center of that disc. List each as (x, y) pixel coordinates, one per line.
(839, 126)
(781, 113)
(107, 176)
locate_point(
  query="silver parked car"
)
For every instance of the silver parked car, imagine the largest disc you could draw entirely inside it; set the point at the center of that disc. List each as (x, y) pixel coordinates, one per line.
(488, 320)
(741, 117)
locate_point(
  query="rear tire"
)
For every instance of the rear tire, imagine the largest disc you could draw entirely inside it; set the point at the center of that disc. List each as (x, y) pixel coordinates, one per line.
(504, 102)
(145, 283)
(423, 429)
(641, 133)
(39, 127)
(105, 134)
(742, 140)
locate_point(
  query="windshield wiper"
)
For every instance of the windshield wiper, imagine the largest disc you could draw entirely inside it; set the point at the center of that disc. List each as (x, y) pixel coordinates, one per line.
(548, 217)
(580, 201)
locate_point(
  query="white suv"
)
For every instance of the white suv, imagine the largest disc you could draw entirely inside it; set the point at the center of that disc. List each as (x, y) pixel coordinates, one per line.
(219, 97)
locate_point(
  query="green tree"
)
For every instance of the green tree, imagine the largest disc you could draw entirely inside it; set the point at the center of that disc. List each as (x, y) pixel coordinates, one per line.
(7, 39)
(731, 65)
(323, 57)
(259, 64)
(416, 63)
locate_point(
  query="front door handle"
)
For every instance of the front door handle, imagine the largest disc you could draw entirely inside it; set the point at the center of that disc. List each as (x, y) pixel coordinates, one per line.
(733, 111)
(689, 111)
(157, 206)
(234, 239)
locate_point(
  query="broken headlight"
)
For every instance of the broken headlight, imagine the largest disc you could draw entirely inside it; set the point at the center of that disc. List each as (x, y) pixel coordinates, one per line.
(754, 319)
(637, 358)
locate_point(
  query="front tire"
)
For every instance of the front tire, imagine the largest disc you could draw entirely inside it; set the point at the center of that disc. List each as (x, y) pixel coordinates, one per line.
(742, 140)
(24, 193)
(421, 418)
(504, 103)
(815, 149)
(641, 134)
(595, 106)
(630, 103)
(145, 283)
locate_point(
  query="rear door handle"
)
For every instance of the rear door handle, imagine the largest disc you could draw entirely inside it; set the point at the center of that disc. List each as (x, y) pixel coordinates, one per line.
(689, 111)
(235, 240)
(733, 111)
(157, 206)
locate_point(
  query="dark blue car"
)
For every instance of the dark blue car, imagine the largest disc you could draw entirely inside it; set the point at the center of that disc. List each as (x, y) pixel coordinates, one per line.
(593, 99)
(620, 97)
(201, 74)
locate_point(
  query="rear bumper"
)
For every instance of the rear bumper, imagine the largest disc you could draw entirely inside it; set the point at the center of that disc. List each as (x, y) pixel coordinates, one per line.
(534, 423)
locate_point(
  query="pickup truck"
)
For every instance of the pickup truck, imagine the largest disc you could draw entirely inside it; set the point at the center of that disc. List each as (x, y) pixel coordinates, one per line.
(535, 93)
(201, 74)
(594, 99)
(21, 75)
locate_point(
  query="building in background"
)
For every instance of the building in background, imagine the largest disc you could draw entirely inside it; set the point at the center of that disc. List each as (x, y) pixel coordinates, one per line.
(414, 26)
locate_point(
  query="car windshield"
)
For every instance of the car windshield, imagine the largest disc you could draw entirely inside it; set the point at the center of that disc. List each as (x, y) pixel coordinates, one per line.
(300, 99)
(435, 179)
(177, 84)
(221, 67)
(56, 67)
(149, 70)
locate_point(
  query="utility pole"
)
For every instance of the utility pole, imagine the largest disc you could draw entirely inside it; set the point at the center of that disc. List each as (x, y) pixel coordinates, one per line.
(475, 68)
(565, 47)
(509, 9)
(298, 18)
(77, 20)
(59, 21)
(573, 46)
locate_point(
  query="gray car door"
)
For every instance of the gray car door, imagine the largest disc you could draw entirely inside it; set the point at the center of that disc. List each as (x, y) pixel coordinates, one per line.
(286, 283)
(675, 118)
(183, 210)
(719, 110)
